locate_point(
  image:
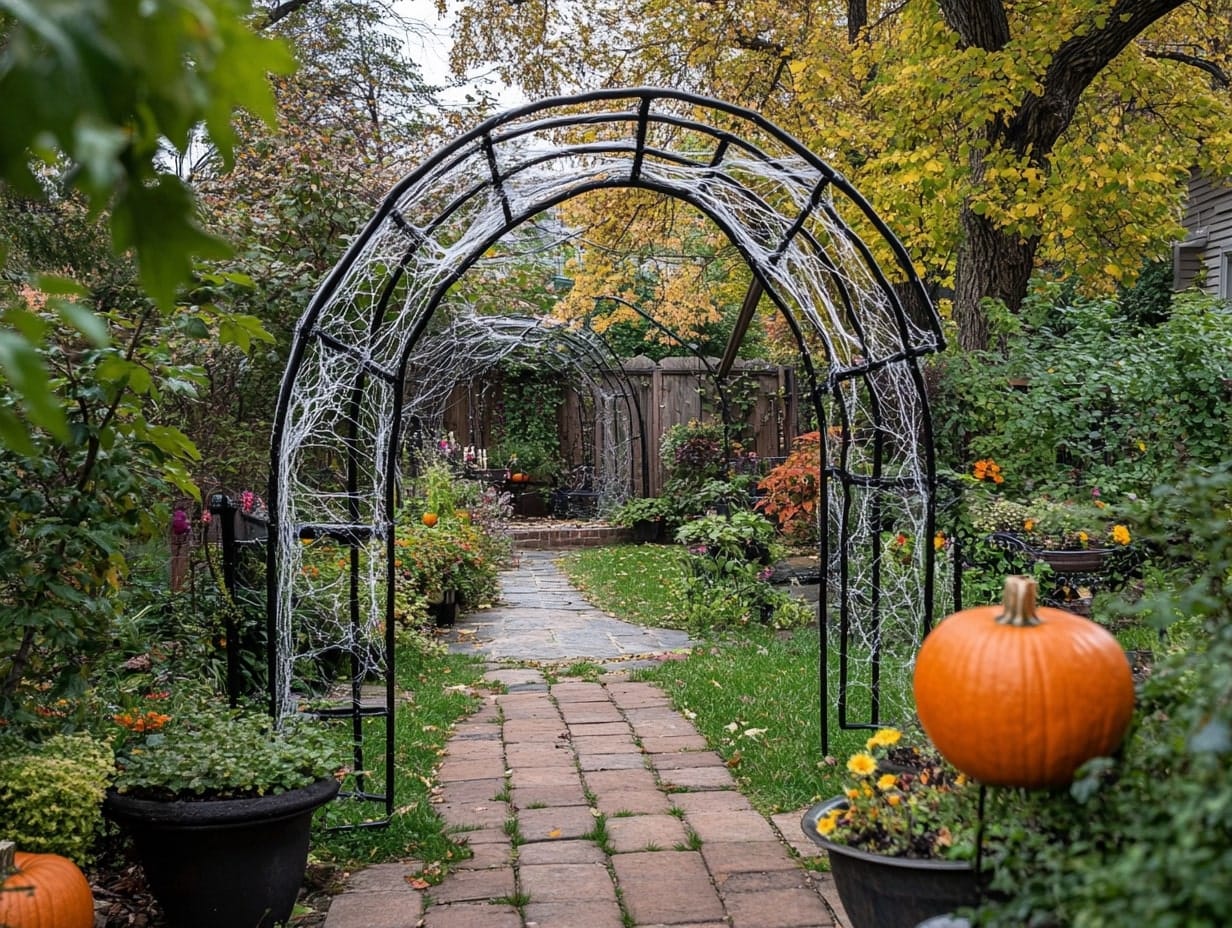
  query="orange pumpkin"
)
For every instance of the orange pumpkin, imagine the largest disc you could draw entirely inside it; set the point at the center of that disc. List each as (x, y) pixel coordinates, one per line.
(519, 478)
(429, 519)
(43, 891)
(1013, 695)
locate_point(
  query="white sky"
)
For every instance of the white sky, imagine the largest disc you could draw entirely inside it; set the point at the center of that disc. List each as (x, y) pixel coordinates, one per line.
(430, 50)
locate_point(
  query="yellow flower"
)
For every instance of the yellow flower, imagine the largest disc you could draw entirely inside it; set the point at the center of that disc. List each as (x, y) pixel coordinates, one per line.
(1029, 525)
(1083, 537)
(1120, 534)
(939, 541)
(825, 826)
(851, 792)
(894, 799)
(884, 737)
(862, 764)
(887, 781)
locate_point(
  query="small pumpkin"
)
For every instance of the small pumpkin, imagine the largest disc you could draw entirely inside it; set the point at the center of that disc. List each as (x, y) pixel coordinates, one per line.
(519, 477)
(1014, 695)
(42, 891)
(429, 519)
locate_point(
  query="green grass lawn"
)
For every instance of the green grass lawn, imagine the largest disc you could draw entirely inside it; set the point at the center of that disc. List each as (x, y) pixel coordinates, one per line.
(756, 700)
(642, 584)
(754, 696)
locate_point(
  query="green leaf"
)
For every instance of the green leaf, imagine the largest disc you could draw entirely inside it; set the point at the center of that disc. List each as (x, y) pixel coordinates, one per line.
(23, 366)
(14, 434)
(85, 321)
(157, 220)
(194, 327)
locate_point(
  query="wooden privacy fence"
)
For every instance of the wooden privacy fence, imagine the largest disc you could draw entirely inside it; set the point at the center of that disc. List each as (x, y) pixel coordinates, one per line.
(762, 405)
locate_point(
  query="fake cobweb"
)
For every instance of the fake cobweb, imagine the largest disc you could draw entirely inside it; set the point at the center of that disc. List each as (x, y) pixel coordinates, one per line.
(378, 345)
(468, 345)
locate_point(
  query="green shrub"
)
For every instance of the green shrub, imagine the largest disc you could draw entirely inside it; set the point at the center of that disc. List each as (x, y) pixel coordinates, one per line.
(1144, 838)
(1088, 399)
(793, 490)
(639, 509)
(728, 580)
(51, 794)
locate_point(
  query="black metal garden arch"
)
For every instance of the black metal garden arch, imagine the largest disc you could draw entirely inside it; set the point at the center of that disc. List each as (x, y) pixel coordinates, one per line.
(816, 249)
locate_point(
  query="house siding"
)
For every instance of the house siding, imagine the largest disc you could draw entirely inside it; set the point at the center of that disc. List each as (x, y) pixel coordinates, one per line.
(1204, 259)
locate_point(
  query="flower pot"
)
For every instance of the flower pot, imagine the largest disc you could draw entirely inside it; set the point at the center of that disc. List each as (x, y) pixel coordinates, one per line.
(226, 863)
(891, 892)
(444, 608)
(648, 530)
(1076, 561)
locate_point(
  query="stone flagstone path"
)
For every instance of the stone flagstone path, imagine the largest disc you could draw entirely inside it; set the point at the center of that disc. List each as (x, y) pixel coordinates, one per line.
(589, 805)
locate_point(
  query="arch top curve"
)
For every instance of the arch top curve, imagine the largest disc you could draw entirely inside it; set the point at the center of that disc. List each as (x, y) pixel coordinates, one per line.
(817, 245)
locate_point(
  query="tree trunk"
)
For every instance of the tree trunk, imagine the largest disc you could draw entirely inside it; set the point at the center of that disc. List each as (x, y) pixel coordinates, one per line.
(992, 264)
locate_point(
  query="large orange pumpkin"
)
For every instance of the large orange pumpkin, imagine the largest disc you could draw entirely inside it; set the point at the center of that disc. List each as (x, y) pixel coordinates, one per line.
(1013, 695)
(43, 891)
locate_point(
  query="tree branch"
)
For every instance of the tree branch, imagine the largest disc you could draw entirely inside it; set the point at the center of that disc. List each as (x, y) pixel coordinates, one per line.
(1215, 71)
(1041, 119)
(282, 11)
(979, 23)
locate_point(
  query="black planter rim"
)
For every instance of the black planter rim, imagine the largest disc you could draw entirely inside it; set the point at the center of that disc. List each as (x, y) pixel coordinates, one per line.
(816, 813)
(1021, 542)
(213, 813)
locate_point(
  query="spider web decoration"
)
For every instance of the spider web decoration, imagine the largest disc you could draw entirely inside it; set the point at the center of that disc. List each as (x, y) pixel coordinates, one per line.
(469, 345)
(364, 355)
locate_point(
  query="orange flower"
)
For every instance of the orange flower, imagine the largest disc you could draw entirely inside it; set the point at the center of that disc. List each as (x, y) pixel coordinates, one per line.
(142, 722)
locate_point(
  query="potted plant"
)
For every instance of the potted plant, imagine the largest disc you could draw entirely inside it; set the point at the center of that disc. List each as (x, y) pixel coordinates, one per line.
(901, 837)
(644, 515)
(219, 806)
(742, 534)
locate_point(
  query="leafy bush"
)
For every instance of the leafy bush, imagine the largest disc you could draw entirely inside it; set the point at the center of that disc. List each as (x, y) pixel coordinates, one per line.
(450, 555)
(201, 751)
(793, 489)
(640, 509)
(694, 452)
(51, 794)
(729, 574)
(1143, 838)
(1087, 399)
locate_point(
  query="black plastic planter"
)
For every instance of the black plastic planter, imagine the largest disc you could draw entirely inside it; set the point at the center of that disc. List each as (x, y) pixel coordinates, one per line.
(228, 863)
(891, 892)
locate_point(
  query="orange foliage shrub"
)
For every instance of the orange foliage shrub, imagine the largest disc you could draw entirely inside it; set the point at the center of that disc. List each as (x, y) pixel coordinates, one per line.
(793, 490)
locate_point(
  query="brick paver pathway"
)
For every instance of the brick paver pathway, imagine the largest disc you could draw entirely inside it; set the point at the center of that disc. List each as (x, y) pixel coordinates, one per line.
(595, 805)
